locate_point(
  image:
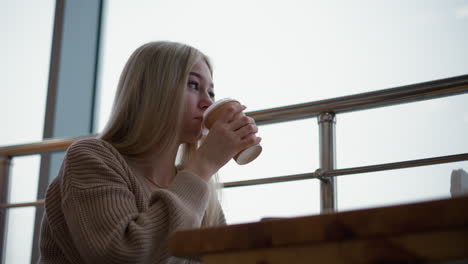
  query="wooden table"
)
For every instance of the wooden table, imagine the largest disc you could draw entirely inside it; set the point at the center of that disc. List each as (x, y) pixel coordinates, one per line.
(424, 232)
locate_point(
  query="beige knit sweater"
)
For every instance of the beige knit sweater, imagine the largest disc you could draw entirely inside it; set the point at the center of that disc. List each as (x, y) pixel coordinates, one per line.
(98, 211)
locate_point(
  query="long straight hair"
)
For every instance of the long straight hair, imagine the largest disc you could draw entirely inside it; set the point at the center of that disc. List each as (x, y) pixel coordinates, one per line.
(148, 106)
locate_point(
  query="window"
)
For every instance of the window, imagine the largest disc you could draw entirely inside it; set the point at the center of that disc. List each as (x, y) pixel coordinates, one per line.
(24, 69)
(275, 53)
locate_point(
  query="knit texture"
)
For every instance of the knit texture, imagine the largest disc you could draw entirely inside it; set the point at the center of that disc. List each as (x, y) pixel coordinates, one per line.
(98, 211)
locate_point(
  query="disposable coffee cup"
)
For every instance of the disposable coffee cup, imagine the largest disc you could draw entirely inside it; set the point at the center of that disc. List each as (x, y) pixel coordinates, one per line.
(213, 113)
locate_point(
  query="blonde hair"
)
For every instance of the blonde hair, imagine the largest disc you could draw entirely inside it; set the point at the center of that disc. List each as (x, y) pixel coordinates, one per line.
(148, 105)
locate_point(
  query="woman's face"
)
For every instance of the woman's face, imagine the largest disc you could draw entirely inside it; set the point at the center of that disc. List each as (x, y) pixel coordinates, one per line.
(198, 97)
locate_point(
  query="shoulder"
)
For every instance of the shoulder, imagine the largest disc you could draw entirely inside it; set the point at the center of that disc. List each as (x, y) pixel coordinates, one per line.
(87, 158)
(90, 149)
(91, 146)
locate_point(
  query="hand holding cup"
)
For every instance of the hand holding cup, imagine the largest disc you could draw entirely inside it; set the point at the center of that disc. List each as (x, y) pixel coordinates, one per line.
(213, 113)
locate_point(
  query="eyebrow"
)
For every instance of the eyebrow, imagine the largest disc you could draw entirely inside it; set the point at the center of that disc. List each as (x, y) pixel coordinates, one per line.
(196, 74)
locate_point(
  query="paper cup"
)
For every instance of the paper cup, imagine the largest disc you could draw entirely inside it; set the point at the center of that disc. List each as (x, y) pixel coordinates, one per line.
(213, 113)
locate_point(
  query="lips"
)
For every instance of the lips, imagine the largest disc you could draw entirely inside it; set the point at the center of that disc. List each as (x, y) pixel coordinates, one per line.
(199, 118)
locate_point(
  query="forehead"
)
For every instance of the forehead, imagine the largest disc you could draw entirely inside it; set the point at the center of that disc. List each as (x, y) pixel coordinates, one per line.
(202, 68)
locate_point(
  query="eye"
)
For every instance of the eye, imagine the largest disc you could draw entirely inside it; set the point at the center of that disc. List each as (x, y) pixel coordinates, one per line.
(212, 95)
(193, 84)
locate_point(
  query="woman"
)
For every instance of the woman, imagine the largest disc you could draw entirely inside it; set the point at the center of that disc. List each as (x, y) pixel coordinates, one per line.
(119, 197)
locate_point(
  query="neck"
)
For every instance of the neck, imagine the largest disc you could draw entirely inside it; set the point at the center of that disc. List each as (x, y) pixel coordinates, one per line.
(157, 167)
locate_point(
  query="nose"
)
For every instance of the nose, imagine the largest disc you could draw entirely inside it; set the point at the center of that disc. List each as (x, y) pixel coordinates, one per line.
(205, 101)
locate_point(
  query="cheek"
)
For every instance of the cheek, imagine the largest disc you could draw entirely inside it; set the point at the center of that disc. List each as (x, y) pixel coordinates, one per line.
(190, 102)
(187, 106)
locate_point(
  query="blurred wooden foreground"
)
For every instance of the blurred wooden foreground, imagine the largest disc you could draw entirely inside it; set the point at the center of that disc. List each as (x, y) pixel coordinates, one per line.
(435, 231)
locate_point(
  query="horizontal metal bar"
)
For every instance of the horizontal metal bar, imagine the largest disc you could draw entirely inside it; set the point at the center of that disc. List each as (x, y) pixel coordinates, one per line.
(16, 205)
(363, 101)
(393, 96)
(296, 177)
(396, 165)
(320, 174)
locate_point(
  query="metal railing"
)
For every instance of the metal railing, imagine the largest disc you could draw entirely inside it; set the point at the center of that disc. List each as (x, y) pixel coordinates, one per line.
(324, 110)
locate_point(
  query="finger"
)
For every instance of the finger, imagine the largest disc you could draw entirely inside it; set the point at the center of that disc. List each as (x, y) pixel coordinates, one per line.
(250, 141)
(237, 116)
(229, 113)
(241, 122)
(247, 130)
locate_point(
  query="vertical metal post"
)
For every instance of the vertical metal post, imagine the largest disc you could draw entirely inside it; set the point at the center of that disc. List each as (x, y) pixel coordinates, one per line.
(326, 122)
(4, 191)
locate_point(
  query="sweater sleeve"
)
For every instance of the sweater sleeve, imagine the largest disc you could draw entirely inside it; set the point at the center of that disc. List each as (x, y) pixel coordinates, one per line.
(101, 211)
